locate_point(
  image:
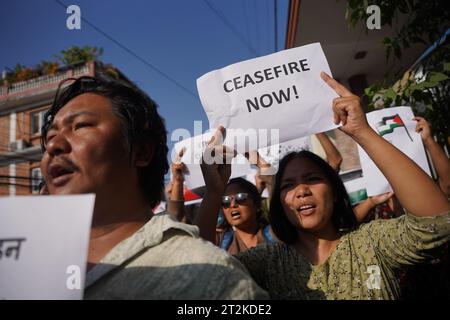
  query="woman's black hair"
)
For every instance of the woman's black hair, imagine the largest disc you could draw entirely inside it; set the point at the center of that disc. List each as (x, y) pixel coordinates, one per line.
(253, 193)
(141, 124)
(343, 217)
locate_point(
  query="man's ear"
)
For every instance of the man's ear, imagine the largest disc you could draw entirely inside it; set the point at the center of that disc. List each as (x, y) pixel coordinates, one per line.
(144, 155)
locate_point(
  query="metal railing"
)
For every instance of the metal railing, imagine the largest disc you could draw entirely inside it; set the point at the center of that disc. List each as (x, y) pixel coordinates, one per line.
(45, 80)
(36, 82)
(81, 70)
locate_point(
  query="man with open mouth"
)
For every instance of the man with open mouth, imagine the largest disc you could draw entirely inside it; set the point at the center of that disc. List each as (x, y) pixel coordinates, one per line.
(105, 136)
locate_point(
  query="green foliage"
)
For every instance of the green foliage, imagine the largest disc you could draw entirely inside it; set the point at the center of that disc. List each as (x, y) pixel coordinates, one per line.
(75, 55)
(110, 70)
(428, 96)
(409, 90)
(48, 67)
(71, 56)
(425, 21)
(413, 21)
(21, 73)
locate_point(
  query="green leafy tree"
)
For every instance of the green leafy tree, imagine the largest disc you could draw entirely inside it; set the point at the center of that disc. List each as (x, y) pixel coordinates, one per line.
(75, 55)
(426, 20)
(21, 73)
(48, 67)
(426, 90)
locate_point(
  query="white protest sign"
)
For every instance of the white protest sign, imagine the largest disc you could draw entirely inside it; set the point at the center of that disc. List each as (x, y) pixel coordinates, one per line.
(397, 126)
(356, 189)
(192, 157)
(276, 152)
(43, 246)
(161, 207)
(251, 177)
(281, 91)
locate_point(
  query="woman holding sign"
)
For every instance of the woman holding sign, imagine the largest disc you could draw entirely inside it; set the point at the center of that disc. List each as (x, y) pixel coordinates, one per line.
(324, 255)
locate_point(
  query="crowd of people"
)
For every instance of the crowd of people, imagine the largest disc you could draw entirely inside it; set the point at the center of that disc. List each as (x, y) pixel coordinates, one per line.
(304, 241)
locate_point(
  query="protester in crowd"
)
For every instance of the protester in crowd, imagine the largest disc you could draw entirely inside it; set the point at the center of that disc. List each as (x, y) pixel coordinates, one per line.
(244, 226)
(332, 154)
(265, 173)
(415, 282)
(386, 205)
(431, 281)
(440, 160)
(324, 253)
(43, 188)
(175, 190)
(363, 209)
(106, 137)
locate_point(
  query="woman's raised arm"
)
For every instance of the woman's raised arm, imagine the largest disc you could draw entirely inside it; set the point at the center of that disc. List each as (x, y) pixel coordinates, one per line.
(415, 190)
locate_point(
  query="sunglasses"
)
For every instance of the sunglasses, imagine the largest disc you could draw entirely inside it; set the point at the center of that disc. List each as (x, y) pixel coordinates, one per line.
(239, 198)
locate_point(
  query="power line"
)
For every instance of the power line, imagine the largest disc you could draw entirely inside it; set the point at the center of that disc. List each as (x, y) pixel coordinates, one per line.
(257, 26)
(230, 26)
(266, 6)
(275, 22)
(246, 20)
(19, 177)
(150, 65)
(15, 184)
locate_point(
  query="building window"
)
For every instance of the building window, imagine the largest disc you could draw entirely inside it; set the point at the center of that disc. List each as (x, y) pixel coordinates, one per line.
(36, 179)
(37, 119)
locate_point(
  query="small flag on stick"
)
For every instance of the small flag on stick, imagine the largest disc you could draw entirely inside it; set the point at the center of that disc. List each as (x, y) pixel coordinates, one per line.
(388, 124)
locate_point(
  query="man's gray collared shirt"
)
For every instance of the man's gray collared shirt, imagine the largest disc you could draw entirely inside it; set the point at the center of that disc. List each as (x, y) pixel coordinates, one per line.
(166, 259)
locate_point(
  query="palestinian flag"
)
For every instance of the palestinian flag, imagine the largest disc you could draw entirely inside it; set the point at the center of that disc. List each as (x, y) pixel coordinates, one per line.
(388, 124)
(192, 196)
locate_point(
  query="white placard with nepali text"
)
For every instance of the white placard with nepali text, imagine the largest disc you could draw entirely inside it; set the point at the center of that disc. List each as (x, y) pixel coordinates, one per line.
(282, 91)
(43, 246)
(397, 126)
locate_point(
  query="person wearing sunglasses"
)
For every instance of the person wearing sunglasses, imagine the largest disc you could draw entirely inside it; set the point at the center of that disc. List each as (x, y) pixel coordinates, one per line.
(323, 253)
(244, 226)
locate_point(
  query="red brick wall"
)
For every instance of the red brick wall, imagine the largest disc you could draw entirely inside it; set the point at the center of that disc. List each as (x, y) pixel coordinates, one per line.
(23, 131)
(4, 133)
(4, 146)
(4, 189)
(23, 169)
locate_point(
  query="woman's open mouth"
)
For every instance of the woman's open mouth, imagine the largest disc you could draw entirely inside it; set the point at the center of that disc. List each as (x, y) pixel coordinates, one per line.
(306, 209)
(235, 214)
